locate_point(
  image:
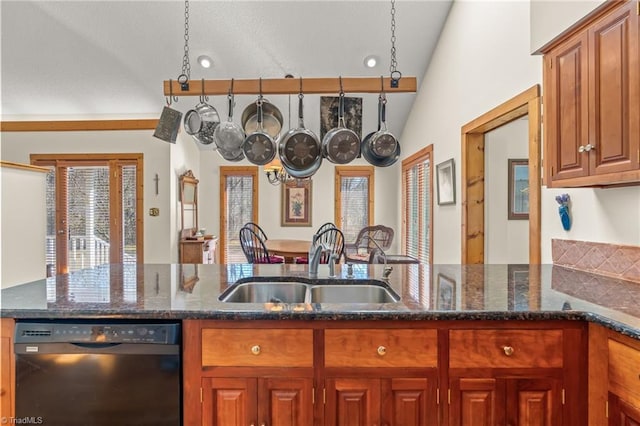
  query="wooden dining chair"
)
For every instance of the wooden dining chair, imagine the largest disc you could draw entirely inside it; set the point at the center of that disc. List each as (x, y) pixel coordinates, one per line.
(322, 228)
(257, 229)
(334, 240)
(254, 248)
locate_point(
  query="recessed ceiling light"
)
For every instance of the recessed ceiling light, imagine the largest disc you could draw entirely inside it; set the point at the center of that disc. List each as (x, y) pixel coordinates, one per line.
(205, 61)
(370, 61)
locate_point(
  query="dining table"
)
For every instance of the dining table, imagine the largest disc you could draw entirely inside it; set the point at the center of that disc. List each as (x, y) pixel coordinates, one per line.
(287, 248)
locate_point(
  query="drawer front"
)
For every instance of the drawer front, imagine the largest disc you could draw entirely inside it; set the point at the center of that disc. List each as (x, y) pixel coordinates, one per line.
(624, 369)
(257, 348)
(380, 348)
(505, 348)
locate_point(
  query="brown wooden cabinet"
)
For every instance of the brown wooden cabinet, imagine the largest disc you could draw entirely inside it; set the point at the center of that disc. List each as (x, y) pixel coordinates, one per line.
(592, 100)
(7, 369)
(282, 401)
(513, 377)
(198, 251)
(338, 373)
(247, 376)
(381, 376)
(624, 382)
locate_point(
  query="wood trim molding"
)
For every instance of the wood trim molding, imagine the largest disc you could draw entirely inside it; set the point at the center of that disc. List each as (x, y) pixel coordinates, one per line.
(28, 167)
(77, 125)
(472, 152)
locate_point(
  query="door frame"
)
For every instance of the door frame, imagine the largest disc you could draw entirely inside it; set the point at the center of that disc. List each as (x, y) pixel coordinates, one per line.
(473, 175)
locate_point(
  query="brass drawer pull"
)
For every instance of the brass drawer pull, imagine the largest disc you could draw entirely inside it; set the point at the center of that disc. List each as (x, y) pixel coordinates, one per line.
(255, 350)
(508, 350)
(382, 351)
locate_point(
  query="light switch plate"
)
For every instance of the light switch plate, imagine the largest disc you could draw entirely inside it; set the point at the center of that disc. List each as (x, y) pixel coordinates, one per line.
(154, 211)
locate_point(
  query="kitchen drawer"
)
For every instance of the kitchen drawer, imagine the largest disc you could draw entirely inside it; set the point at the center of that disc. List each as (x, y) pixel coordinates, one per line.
(231, 347)
(505, 349)
(380, 348)
(624, 369)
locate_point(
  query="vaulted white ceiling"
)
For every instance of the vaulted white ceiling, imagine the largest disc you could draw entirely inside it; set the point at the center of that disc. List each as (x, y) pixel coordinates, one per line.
(90, 58)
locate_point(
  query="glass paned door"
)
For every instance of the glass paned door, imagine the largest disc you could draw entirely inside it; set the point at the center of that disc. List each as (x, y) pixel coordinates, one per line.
(92, 213)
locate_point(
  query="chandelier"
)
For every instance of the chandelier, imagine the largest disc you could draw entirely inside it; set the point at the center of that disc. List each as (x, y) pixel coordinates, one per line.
(276, 173)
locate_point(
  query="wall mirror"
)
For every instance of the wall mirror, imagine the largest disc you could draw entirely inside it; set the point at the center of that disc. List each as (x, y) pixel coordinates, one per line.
(188, 201)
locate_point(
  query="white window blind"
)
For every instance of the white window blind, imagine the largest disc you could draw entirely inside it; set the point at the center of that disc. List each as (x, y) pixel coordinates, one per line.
(354, 202)
(239, 209)
(416, 182)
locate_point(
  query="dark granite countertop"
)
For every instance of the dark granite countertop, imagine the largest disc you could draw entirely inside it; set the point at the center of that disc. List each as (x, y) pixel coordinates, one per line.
(436, 292)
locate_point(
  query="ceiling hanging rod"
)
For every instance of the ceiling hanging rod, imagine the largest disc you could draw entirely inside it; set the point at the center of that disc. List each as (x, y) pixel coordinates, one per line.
(287, 86)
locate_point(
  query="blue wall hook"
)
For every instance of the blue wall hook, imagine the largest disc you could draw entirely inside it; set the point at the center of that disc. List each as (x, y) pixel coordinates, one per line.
(563, 211)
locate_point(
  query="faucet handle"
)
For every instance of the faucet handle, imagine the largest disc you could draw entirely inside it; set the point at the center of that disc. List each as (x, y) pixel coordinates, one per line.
(386, 272)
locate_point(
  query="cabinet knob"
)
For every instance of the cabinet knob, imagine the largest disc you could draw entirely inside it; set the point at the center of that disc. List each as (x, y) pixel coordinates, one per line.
(255, 350)
(586, 148)
(508, 350)
(382, 351)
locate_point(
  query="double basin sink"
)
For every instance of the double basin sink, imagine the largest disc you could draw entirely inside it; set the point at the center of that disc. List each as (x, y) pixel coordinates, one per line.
(281, 290)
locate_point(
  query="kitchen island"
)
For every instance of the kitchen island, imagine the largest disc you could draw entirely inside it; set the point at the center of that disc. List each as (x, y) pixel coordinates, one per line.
(490, 337)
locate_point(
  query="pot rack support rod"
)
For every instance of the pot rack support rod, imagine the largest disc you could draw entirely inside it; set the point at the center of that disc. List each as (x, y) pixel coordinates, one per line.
(288, 86)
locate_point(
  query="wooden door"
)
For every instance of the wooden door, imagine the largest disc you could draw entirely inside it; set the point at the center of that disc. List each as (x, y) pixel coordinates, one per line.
(475, 402)
(533, 402)
(566, 109)
(409, 402)
(352, 402)
(229, 402)
(614, 107)
(621, 413)
(285, 401)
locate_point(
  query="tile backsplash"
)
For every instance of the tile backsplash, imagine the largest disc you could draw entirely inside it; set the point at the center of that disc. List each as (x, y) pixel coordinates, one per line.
(612, 260)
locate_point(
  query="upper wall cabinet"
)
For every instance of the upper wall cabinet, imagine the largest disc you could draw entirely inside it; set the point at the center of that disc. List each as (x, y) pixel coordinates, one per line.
(592, 100)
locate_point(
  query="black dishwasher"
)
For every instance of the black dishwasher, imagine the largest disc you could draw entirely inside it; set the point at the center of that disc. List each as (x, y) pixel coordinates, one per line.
(94, 373)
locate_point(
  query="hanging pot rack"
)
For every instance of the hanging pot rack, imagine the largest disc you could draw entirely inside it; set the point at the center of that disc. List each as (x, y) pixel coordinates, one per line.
(288, 86)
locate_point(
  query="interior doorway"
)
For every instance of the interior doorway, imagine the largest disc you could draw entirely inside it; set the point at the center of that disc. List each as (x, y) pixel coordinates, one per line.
(473, 173)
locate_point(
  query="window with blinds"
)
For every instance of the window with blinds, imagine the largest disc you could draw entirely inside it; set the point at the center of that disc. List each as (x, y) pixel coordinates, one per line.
(354, 199)
(417, 210)
(239, 205)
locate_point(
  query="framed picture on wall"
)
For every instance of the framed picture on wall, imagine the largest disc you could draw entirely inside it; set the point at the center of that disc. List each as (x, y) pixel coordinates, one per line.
(446, 182)
(296, 203)
(518, 189)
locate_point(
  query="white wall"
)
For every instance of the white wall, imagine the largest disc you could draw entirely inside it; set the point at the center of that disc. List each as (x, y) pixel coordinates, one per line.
(23, 226)
(167, 160)
(506, 241)
(550, 18)
(481, 61)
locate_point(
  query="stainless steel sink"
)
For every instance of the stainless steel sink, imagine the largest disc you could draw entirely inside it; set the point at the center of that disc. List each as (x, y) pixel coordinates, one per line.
(352, 293)
(265, 292)
(319, 291)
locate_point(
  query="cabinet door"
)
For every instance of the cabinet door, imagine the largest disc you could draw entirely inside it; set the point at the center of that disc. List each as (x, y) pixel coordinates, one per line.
(566, 104)
(614, 110)
(409, 402)
(621, 413)
(476, 401)
(229, 402)
(285, 401)
(352, 402)
(533, 402)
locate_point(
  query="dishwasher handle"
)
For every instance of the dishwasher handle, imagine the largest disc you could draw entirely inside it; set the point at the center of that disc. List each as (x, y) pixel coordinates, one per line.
(95, 348)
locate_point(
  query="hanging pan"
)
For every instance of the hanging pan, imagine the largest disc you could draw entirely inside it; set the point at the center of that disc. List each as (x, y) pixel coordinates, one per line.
(341, 145)
(229, 136)
(201, 121)
(381, 148)
(300, 149)
(259, 147)
(271, 118)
